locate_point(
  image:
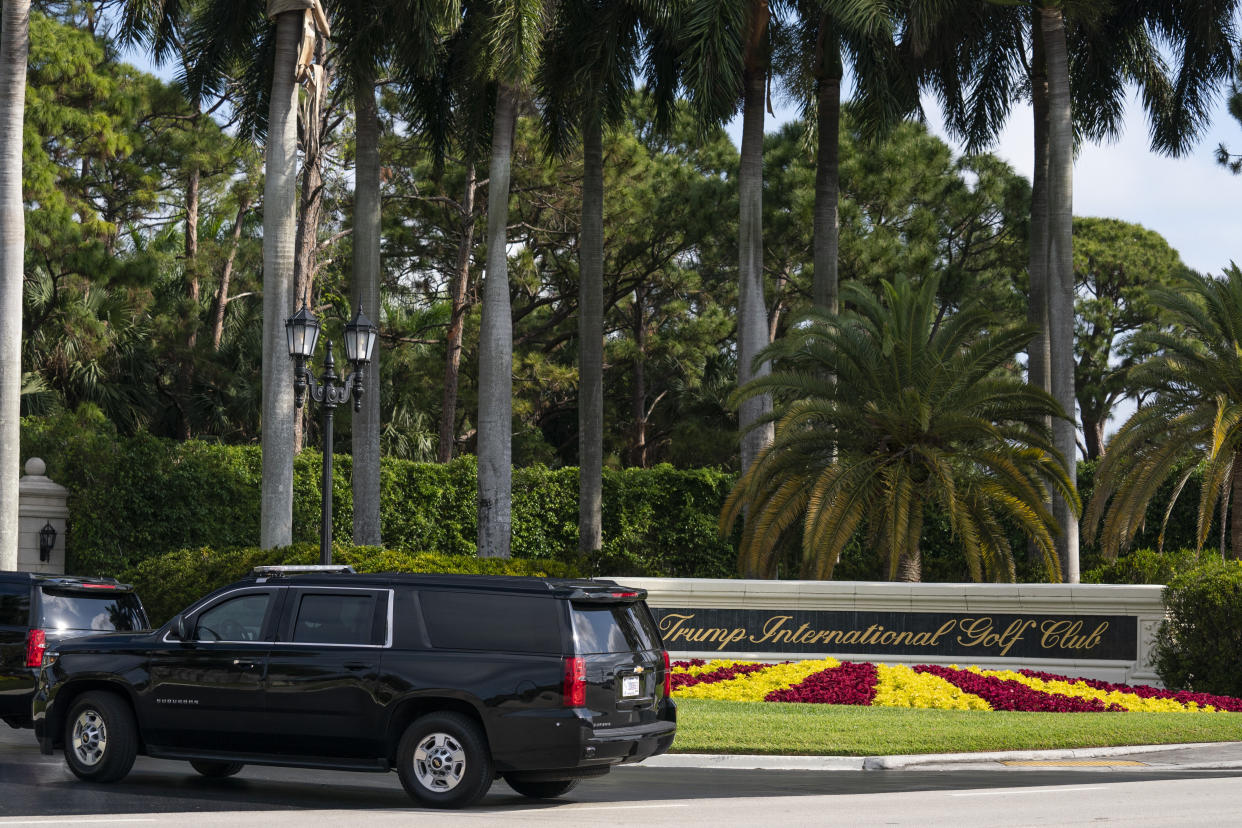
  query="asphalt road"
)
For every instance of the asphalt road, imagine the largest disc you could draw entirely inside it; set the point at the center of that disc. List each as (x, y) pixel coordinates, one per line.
(39, 790)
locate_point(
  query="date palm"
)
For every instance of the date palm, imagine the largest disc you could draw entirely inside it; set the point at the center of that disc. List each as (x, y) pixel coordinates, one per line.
(886, 409)
(1195, 417)
(14, 47)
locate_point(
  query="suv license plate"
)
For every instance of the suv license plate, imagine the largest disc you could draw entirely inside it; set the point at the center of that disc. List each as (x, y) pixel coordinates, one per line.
(630, 687)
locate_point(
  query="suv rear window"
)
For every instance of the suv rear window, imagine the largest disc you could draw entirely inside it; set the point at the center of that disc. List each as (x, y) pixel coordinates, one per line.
(613, 628)
(63, 609)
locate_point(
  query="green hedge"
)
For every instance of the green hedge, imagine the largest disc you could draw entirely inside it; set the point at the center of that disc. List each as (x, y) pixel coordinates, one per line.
(1147, 566)
(1197, 647)
(168, 583)
(133, 498)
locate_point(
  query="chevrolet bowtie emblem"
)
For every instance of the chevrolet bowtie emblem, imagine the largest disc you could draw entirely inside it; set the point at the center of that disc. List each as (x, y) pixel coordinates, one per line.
(638, 669)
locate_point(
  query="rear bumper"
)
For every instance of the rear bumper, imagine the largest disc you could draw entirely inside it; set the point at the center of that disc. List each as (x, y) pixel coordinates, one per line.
(568, 740)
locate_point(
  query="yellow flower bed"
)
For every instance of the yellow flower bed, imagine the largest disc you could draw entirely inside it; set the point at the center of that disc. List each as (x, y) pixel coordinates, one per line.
(899, 686)
(711, 666)
(1129, 701)
(755, 686)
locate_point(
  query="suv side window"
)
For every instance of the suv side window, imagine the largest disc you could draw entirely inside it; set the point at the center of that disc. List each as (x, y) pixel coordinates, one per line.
(234, 619)
(342, 618)
(613, 628)
(478, 621)
(14, 604)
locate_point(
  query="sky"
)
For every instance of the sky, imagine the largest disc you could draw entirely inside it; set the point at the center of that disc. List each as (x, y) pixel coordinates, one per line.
(1192, 201)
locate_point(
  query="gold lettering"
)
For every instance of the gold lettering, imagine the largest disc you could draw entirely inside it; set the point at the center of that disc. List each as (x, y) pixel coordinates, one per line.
(887, 638)
(1013, 634)
(770, 628)
(904, 637)
(671, 623)
(850, 637)
(945, 629)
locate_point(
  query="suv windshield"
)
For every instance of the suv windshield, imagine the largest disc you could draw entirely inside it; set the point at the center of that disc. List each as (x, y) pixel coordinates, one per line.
(63, 609)
(614, 628)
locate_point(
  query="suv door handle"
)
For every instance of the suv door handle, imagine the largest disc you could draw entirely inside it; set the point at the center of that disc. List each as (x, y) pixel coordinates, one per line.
(357, 665)
(244, 662)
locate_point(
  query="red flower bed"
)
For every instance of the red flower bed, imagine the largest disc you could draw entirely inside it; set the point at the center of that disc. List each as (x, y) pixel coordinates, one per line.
(681, 680)
(1006, 694)
(850, 683)
(1144, 691)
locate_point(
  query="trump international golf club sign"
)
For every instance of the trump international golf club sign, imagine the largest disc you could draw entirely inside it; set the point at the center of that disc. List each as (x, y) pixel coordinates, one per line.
(1098, 631)
(969, 636)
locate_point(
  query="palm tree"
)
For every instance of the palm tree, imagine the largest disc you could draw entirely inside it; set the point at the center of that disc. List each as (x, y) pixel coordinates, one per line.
(14, 46)
(368, 34)
(1075, 60)
(279, 235)
(591, 56)
(726, 60)
(513, 37)
(1195, 417)
(923, 410)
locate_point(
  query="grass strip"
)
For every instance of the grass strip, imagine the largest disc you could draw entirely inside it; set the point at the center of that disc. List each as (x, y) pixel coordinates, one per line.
(710, 726)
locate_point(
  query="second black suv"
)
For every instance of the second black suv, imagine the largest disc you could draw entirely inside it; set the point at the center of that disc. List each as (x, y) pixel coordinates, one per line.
(451, 680)
(38, 611)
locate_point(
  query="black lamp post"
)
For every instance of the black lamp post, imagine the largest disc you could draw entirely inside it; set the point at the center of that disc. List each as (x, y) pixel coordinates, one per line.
(302, 331)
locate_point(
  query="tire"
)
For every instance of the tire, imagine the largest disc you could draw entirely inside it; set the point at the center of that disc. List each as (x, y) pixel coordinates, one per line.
(444, 761)
(215, 769)
(101, 740)
(549, 789)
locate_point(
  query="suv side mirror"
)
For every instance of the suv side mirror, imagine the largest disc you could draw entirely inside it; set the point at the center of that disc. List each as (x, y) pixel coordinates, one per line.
(181, 628)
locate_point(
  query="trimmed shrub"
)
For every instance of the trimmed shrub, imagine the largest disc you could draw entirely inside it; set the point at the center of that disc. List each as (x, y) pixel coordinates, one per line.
(1147, 566)
(169, 583)
(1197, 646)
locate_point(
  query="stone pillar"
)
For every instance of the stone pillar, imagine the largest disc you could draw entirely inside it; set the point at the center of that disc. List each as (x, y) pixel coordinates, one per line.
(42, 502)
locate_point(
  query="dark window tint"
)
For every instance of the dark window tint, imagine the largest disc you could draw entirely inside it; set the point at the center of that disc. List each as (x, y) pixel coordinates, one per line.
(14, 604)
(475, 621)
(613, 628)
(236, 619)
(335, 619)
(105, 611)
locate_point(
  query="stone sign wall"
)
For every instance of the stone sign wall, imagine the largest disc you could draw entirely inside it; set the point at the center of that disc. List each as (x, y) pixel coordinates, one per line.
(1086, 630)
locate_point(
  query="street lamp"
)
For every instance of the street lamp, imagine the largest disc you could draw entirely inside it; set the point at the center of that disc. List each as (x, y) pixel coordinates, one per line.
(47, 541)
(302, 332)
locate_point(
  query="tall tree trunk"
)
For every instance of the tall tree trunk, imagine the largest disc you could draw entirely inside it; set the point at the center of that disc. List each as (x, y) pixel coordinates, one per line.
(1093, 435)
(824, 288)
(752, 318)
(591, 340)
(279, 229)
(226, 277)
(1061, 272)
(366, 296)
(910, 563)
(457, 321)
(638, 400)
(14, 47)
(496, 347)
(1039, 360)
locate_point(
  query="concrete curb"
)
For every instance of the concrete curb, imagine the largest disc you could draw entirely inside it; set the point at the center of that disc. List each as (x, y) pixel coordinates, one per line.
(842, 763)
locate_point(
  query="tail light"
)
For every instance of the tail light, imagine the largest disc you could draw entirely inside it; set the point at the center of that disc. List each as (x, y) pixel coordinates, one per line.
(36, 643)
(575, 682)
(668, 675)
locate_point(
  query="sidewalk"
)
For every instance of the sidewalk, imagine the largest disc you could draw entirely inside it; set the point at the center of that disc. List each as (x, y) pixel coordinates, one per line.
(1199, 756)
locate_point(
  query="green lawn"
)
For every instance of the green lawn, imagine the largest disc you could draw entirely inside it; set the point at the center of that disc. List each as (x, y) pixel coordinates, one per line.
(705, 726)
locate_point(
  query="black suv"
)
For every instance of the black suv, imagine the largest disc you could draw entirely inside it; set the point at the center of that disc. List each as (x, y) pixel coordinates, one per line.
(40, 611)
(451, 680)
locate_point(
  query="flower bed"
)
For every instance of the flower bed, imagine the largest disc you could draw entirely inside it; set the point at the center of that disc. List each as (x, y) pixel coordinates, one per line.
(828, 681)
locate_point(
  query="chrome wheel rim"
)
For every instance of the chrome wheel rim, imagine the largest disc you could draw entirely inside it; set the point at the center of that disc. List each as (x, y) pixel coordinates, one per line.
(439, 762)
(90, 737)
